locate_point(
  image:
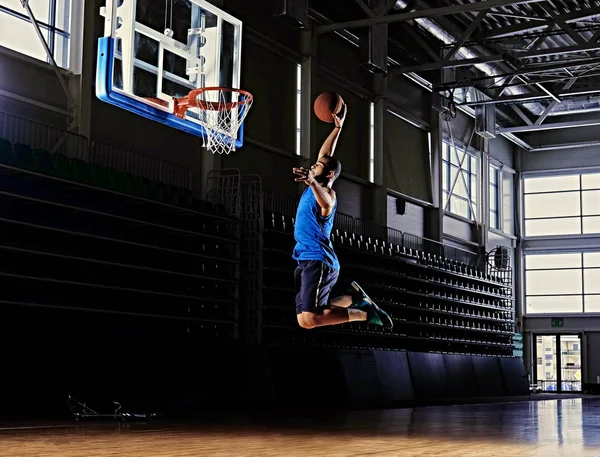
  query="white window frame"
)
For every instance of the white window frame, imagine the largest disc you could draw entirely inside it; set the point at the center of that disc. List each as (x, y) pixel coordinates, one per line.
(446, 151)
(522, 194)
(73, 35)
(503, 170)
(499, 196)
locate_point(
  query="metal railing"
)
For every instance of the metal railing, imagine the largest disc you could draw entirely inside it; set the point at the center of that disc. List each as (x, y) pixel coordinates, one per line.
(37, 135)
(140, 165)
(359, 227)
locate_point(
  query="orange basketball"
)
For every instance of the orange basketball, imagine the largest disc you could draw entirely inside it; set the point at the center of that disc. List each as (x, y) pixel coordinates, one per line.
(326, 104)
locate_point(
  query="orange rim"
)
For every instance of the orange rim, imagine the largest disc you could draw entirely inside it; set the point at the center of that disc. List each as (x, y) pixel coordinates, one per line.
(214, 106)
(182, 104)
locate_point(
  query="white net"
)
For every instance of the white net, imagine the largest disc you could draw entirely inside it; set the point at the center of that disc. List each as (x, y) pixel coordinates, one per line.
(221, 112)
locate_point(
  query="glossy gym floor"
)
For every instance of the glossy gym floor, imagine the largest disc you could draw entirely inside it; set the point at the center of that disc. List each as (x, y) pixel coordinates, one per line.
(544, 428)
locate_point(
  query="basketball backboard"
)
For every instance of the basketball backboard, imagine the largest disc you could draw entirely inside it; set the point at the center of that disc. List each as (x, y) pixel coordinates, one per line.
(156, 51)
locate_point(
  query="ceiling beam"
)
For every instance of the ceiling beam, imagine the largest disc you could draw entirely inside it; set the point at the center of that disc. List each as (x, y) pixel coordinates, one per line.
(432, 12)
(497, 58)
(465, 36)
(542, 117)
(530, 70)
(528, 26)
(553, 126)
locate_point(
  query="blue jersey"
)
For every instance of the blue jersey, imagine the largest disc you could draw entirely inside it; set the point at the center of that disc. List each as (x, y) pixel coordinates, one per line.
(313, 232)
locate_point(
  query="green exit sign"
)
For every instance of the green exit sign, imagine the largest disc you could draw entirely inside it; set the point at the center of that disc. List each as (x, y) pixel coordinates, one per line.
(557, 322)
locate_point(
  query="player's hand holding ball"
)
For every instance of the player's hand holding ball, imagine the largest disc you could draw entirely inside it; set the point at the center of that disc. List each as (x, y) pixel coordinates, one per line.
(339, 118)
(304, 175)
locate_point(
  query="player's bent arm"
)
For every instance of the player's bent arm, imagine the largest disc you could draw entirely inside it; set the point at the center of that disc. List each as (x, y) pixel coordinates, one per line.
(325, 200)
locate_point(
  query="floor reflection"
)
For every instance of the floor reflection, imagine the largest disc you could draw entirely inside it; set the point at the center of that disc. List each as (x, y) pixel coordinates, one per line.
(567, 427)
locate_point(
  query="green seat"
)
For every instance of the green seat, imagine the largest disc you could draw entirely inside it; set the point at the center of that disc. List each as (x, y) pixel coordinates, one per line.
(6, 150)
(42, 161)
(98, 175)
(61, 166)
(23, 157)
(133, 185)
(81, 171)
(183, 197)
(116, 180)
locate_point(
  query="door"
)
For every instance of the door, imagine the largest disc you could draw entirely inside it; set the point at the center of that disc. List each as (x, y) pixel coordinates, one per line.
(558, 363)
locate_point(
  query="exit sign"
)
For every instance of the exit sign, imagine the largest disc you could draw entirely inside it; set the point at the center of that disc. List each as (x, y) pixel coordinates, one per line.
(557, 322)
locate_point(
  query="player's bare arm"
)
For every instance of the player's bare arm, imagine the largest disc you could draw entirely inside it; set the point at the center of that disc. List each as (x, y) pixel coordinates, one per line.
(325, 195)
(329, 145)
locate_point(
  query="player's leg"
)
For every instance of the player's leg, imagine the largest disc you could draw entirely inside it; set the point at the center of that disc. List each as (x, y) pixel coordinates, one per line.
(360, 299)
(314, 281)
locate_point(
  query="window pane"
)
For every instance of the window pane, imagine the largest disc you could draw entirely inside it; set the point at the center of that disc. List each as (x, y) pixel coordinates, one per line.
(591, 224)
(459, 188)
(494, 220)
(591, 202)
(590, 181)
(591, 259)
(591, 281)
(459, 206)
(39, 9)
(493, 175)
(568, 226)
(507, 202)
(592, 303)
(458, 157)
(445, 176)
(551, 183)
(20, 36)
(572, 304)
(473, 164)
(453, 176)
(548, 261)
(63, 14)
(473, 188)
(553, 282)
(552, 205)
(493, 198)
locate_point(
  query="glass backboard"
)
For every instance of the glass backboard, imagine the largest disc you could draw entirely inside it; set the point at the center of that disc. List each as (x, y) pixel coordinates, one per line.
(156, 51)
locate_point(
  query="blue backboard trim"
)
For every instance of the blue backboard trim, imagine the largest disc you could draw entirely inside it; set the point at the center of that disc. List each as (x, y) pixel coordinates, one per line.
(105, 92)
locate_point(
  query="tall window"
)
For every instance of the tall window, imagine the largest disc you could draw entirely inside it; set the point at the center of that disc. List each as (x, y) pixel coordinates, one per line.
(459, 181)
(508, 202)
(562, 205)
(562, 283)
(372, 143)
(53, 18)
(298, 109)
(495, 198)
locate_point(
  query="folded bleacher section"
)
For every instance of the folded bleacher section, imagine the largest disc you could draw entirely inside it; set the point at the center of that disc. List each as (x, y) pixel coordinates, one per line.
(440, 298)
(88, 245)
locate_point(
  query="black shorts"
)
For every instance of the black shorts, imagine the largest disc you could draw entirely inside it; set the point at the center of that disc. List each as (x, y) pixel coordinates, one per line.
(314, 281)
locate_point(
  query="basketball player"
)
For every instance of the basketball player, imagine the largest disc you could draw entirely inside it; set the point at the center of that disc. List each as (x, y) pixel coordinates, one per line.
(318, 266)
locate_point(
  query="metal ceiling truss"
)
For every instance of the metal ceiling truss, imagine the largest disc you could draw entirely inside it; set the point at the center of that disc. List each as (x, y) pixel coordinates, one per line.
(512, 57)
(431, 12)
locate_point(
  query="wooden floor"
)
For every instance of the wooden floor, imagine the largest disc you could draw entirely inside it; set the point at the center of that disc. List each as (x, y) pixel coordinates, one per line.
(549, 428)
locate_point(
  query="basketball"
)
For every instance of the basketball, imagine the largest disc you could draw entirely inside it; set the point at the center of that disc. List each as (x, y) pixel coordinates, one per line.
(326, 104)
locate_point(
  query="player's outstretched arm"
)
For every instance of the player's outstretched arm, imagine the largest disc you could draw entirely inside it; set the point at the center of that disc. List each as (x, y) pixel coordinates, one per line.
(330, 143)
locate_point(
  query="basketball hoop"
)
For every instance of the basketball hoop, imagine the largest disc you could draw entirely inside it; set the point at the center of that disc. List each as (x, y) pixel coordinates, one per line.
(220, 110)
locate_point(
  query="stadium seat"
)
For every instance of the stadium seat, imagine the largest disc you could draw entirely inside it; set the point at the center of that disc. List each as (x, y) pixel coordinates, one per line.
(23, 157)
(42, 161)
(61, 166)
(81, 171)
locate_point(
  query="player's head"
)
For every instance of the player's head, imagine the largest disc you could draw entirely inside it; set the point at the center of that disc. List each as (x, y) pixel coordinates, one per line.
(326, 170)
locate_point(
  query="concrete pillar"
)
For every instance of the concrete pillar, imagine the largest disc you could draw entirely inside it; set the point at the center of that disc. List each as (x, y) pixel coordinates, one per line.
(380, 193)
(434, 217)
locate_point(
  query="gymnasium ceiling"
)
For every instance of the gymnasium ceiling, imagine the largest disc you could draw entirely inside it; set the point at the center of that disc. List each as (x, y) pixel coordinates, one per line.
(536, 61)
